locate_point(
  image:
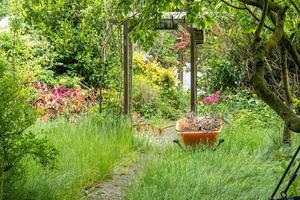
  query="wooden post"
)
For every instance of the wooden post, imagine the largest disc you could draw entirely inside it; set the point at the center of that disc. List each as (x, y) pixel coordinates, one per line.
(180, 70)
(130, 76)
(126, 107)
(193, 72)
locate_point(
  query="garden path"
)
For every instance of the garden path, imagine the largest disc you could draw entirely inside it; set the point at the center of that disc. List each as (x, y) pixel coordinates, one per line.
(113, 188)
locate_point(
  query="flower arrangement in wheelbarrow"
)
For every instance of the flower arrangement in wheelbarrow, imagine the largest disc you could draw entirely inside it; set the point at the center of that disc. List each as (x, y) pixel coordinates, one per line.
(204, 129)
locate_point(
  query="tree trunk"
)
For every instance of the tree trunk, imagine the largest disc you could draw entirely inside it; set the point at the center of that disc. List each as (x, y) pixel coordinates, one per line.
(261, 50)
(286, 137)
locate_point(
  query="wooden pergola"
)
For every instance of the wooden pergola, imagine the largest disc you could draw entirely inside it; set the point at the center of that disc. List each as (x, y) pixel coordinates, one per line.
(169, 21)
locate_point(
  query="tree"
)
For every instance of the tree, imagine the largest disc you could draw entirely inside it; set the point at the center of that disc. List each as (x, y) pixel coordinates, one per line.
(261, 48)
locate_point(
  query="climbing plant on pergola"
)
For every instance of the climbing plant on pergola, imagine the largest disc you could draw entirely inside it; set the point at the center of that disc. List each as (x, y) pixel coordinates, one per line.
(169, 21)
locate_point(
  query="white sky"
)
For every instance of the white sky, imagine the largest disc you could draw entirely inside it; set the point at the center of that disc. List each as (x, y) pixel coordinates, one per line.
(4, 24)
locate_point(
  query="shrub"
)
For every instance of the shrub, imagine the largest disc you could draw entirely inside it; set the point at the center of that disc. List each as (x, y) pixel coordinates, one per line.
(153, 71)
(224, 74)
(145, 98)
(154, 89)
(77, 30)
(17, 144)
(54, 101)
(3, 8)
(28, 53)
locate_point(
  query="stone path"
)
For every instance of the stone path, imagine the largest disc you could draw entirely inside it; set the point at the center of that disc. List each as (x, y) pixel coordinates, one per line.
(113, 189)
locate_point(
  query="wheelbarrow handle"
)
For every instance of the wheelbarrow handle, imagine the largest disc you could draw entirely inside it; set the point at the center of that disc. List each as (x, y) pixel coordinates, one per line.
(176, 141)
(219, 143)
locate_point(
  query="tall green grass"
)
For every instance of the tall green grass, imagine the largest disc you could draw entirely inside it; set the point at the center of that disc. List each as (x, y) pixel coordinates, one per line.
(247, 166)
(88, 150)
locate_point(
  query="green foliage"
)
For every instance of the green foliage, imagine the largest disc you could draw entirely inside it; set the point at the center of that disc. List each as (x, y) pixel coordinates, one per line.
(145, 98)
(224, 59)
(16, 143)
(161, 49)
(79, 33)
(69, 82)
(89, 149)
(223, 74)
(33, 57)
(3, 8)
(155, 92)
(29, 54)
(296, 105)
(153, 71)
(173, 102)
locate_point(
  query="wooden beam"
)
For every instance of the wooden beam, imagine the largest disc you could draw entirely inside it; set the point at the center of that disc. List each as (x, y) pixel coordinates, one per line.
(177, 17)
(126, 106)
(193, 72)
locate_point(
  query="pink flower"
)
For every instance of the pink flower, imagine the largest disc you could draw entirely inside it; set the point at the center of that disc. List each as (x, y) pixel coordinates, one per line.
(212, 99)
(38, 85)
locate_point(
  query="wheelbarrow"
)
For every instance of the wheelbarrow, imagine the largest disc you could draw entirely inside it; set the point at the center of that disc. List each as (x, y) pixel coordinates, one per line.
(195, 139)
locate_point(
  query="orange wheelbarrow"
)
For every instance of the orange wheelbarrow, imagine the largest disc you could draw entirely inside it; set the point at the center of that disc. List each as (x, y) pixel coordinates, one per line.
(192, 138)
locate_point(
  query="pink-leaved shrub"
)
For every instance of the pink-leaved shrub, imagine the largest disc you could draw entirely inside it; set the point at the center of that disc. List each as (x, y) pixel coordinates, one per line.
(54, 101)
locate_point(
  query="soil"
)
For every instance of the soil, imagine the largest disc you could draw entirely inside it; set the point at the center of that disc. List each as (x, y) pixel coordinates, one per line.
(113, 188)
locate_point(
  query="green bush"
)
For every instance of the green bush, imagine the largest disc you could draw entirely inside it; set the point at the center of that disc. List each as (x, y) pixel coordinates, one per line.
(173, 102)
(154, 91)
(233, 103)
(145, 97)
(77, 31)
(16, 143)
(33, 56)
(3, 8)
(224, 74)
(28, 53)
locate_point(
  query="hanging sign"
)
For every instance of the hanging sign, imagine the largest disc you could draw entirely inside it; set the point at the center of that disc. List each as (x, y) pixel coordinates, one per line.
(167, 24)
(199, 36)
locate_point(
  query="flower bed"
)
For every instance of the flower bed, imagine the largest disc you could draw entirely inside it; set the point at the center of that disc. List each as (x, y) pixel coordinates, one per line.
(54, 101)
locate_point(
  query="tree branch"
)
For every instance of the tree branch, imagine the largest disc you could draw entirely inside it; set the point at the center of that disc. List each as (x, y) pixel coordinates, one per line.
(269, 68)
(291, 49)
(233, 6)
(285, 76)
(260, 4)
(295, 6)
(256, 18)
(288, 44)
(260, 26)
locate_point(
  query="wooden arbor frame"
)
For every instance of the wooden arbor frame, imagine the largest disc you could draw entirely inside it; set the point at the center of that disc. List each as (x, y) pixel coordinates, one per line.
(169, 21)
